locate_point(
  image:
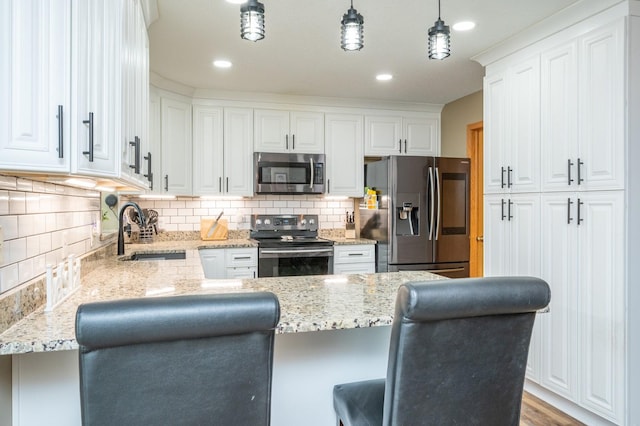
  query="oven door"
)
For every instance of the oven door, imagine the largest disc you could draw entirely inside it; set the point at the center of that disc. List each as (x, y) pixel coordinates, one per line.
(295, 261)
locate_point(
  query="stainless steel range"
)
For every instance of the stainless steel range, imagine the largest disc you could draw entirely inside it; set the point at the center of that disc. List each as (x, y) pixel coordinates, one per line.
(288, 245)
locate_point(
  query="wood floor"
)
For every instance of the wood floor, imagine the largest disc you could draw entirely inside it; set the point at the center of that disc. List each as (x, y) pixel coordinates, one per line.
(536, 412)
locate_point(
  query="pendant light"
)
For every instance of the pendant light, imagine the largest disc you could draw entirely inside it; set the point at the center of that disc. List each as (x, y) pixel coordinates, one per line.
(252, 20)
(439, 39)
(352, 30)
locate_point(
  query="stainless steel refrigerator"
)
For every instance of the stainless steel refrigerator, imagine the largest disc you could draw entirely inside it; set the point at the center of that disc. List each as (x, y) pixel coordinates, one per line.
(422, 219)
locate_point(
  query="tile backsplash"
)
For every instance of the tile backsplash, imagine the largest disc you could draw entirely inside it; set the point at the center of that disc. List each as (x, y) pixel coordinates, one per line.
(42, 224)
(184, 214)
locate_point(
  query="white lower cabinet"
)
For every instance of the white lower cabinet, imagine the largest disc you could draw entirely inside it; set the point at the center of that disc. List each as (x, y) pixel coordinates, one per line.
(582, 260)
(512, 248)
(229, 262)
(354, 259)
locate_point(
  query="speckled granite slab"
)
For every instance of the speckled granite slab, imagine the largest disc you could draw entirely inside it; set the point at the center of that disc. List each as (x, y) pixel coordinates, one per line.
(308, 303)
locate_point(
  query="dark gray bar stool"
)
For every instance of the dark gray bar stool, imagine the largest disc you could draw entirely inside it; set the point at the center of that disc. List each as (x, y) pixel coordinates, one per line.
(184, 360)
(457, 355)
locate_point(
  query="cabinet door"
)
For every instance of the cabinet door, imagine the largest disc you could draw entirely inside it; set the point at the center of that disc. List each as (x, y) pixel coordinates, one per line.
(238, 158)
(421, 136)
(601, 303)
(307, 132)
(559, 343)
(496, 241)
(97, 95)
(213, 263)
(496, 149)
(208, 151)
(524, 127)
(602, 103)
(176, 146)
(271, 131)
(155, 143)
(344, 154)
(382, 135)
(559, 120)
(34, 37)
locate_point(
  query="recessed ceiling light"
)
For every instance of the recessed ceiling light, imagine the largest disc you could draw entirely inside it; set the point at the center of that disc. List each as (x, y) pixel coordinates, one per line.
(236, 1)
(221, 63)
(384, 77)
(464, 26)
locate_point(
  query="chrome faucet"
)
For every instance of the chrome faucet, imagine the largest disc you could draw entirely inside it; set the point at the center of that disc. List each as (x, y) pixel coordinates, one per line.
(120, 228)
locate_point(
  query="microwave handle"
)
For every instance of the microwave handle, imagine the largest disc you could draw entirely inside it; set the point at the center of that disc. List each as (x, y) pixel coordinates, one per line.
(312, 177)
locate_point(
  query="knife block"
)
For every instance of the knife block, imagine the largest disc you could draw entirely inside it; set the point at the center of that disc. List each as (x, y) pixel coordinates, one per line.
(221, 232)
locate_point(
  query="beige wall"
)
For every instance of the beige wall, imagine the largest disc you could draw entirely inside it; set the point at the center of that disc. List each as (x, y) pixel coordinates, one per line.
(455, 117)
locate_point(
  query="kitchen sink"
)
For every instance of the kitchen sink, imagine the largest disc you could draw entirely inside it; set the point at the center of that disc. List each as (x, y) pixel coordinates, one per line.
(157, 256)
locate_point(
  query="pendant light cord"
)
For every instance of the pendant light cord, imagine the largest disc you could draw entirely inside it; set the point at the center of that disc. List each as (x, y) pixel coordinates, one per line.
(438, 9)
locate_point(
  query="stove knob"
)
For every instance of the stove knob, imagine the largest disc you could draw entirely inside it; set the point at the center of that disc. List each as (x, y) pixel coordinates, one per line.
(267, 221)
(312, 221)
(303, 222)
(258, 222)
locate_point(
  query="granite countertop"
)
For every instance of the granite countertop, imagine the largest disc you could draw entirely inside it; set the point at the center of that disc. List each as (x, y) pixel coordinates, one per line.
(308, 303)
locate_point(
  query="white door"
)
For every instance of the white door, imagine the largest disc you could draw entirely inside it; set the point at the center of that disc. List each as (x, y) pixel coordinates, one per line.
(344, 155)
(496, 148)
(307, 132)
(272, 131)
(496, 236)
(208, 151)
(559, 344)
(176, 146)
(421, 136)
(35, 105)
(382, 135)
(238, 152)
(559, 120)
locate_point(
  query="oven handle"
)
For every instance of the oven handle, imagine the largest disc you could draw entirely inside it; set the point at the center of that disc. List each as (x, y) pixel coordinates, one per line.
(322, 250)
(312, 177)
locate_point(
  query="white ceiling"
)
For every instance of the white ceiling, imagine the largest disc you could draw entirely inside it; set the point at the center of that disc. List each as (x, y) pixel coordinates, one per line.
(301, 54)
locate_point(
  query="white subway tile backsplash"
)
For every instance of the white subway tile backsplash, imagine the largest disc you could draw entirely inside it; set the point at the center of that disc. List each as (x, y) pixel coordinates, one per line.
(186, 227)
(26, 270)
(26, 225)
(8, 182)
(200, 212)
(185, 212)
(178, 204)
(195, 204)
(33, 246)
(45, 243)
(9, 276)
(4, 202)
(178, 219)
(17, 203)
(168, 212)
(9, 227)
(15, 250)
(24, 185)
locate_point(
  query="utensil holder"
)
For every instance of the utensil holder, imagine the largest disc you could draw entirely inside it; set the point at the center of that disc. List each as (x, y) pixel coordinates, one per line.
(146, 234)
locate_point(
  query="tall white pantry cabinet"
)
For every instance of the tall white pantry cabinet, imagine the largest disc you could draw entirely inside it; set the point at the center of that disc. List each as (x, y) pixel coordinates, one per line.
(562, 202)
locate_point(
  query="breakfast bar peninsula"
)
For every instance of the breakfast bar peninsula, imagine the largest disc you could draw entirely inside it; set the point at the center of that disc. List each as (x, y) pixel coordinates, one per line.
(333, 329)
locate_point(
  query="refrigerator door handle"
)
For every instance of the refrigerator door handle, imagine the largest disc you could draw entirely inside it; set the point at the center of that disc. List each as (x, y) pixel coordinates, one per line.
(435, 271)
(439, 198)
(430, 179)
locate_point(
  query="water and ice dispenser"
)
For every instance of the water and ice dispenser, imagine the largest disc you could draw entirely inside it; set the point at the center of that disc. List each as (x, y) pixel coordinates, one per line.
(408, 214)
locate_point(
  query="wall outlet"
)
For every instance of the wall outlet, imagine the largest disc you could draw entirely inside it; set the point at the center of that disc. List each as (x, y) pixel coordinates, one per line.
(1, 246)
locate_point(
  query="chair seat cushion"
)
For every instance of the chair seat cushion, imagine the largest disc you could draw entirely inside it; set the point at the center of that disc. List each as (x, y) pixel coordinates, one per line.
(359, 403)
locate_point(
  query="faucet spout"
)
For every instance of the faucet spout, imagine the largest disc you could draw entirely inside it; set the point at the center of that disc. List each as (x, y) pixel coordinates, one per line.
(143, 223)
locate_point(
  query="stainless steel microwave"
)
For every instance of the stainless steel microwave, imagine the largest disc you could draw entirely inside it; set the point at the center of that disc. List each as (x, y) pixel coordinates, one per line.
(280, 173)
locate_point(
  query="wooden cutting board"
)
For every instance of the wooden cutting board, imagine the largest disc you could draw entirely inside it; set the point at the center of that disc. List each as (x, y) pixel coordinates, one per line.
(221, 232)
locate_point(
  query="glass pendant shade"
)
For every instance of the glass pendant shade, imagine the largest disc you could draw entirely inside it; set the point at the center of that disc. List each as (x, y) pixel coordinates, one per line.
(252, 20)
(352, 30)
(439, 40)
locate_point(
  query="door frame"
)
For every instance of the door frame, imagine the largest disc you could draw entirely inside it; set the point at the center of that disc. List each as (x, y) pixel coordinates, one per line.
(476, 155)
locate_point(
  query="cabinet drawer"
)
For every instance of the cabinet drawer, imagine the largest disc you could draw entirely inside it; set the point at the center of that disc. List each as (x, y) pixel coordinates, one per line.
(354, 254)
(241, 257)
(354, 268)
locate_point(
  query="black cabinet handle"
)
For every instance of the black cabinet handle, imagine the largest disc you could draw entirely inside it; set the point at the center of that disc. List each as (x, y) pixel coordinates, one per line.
(501, 177)
(569, 218)
(60, 133)
(405, 146)
(136, 154)
(569, 164)
(509, 171)
(149, 174)
(293, 142)
(580, 220)
(166, 183)
(328, 186)
(220, 184)
(580, 164)
(400, 146)
(227, 185)
(90, 123)
(509, 210)
(286, 141)
(502, 216)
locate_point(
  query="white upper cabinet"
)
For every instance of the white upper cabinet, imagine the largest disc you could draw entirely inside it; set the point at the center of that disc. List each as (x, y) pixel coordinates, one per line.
(401, 135)
(222, 151)
(344, 156)
(153, 158)
(176, 145)
(583, 113)
(35, 106)
(512, 128)
(285, 131)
